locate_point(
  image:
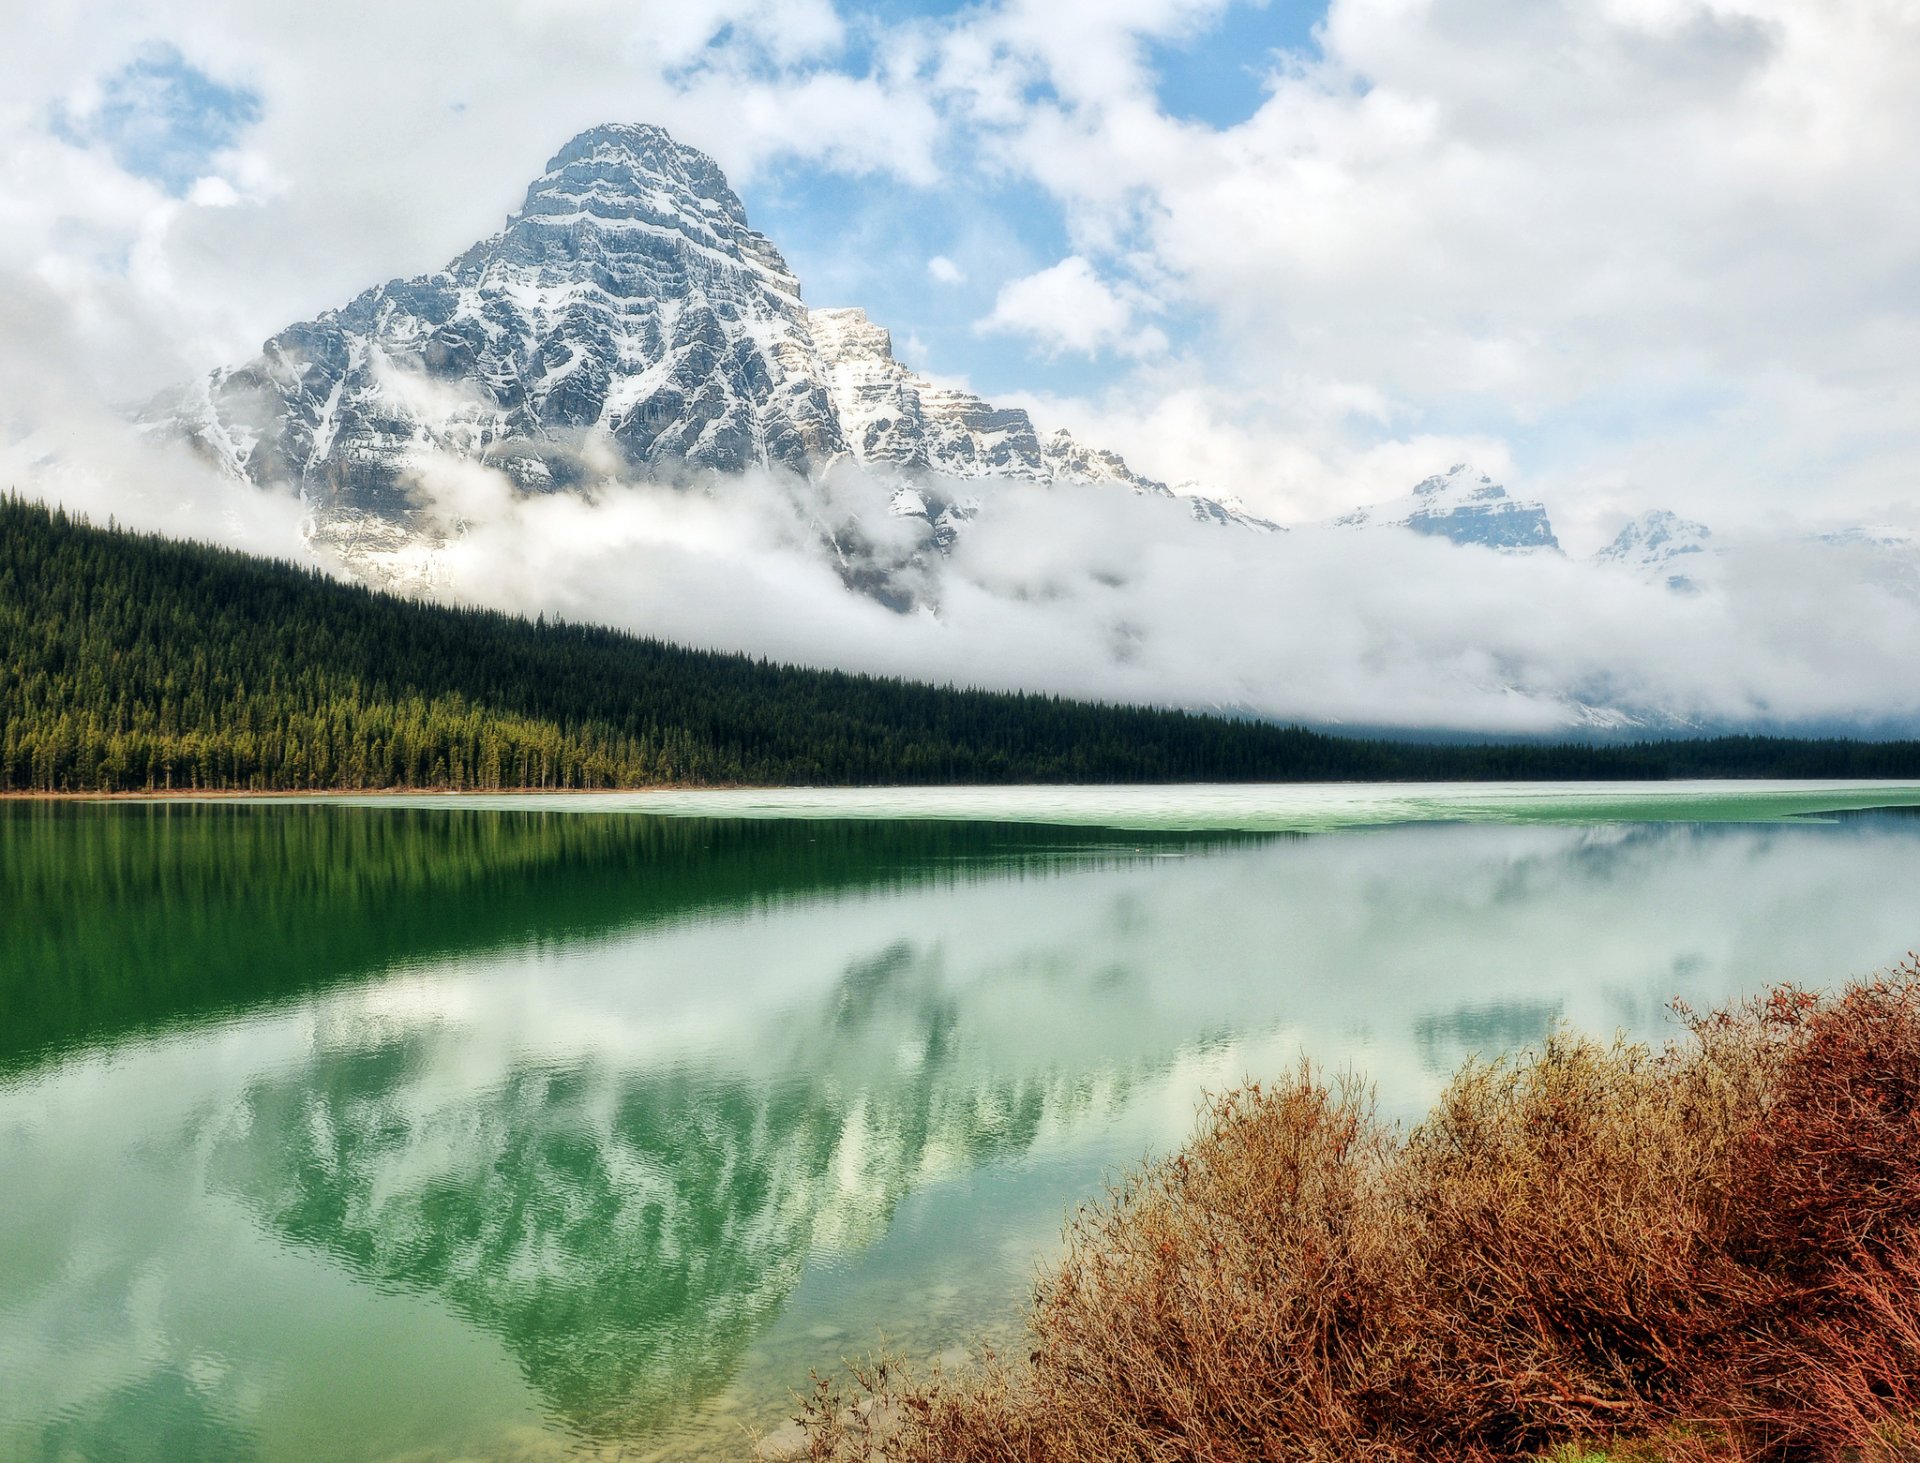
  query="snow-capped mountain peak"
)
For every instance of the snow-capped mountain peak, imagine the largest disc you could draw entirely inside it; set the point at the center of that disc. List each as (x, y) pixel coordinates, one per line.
(1467, 507)
(1661, 545)
(627, 308)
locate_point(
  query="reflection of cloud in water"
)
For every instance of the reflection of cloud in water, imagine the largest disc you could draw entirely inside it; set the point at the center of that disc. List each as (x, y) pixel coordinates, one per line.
(1443, 1036)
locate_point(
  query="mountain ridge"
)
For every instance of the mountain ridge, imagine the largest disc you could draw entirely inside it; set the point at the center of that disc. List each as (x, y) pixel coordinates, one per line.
(1467, 507)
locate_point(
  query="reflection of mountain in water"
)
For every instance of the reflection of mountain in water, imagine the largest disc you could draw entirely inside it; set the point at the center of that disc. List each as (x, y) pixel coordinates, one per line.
(162, 1417)
(627, 1234)
(117, 920)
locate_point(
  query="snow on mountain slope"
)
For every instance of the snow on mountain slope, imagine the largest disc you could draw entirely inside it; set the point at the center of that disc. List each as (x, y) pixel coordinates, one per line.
(1466, 507)
(890, 416)
(626, 318)
(1663, 546)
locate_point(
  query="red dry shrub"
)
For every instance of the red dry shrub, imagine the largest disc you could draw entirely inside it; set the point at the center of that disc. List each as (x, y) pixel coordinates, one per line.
(1830, 1170)
(1823, 1198)
(1707, 1253)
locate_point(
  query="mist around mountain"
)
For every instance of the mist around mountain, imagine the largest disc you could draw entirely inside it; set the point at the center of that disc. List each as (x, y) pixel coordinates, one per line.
(619, 409)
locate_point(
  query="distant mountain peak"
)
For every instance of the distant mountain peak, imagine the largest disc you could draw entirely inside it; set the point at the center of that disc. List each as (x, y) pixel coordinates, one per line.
(1662, 545)
(1890, 553)
(1464, 506)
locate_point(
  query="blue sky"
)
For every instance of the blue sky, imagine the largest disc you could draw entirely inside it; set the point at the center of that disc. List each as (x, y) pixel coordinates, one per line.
(1217, 74)
(852, 242)
(161, 118)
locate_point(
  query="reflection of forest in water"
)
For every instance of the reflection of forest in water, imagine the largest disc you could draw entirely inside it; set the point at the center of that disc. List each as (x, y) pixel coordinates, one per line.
(514, 1128)
(117, 919)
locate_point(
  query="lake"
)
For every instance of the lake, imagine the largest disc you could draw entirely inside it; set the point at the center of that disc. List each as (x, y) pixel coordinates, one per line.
(581, 1127)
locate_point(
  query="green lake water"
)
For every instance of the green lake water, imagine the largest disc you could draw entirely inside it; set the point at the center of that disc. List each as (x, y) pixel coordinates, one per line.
(581, 1127)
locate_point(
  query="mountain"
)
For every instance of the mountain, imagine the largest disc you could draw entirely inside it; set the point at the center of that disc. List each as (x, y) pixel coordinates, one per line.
(1664, 547)
(1660, 545)
(626, 316)
(626, 322)
(1466, 507)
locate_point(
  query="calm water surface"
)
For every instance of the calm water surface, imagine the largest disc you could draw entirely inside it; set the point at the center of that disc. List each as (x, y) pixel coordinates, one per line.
(544, 1128)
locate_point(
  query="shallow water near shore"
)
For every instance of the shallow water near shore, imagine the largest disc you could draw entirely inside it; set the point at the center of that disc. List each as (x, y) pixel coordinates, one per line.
(1223, 807)
(431, 1128)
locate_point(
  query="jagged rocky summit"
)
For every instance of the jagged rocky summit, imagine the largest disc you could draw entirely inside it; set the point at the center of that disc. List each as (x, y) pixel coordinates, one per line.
(1466, 507)
(626, 310)
(627, 321)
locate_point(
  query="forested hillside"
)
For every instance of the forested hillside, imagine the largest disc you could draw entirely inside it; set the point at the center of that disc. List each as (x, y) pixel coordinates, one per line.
(130, 662)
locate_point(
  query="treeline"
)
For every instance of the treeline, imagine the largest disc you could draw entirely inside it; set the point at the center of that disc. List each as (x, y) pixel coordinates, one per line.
(131, 662)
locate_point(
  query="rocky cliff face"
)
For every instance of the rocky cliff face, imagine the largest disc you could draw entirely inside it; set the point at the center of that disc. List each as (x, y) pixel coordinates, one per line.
(890, 416)
(626, 318)
(1465, 507)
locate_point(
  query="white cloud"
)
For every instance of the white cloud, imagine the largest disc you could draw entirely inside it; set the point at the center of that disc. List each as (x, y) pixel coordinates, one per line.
(1096, 592)
(1069, 307)
(213, 192)
(944, 270)
(1665, 243)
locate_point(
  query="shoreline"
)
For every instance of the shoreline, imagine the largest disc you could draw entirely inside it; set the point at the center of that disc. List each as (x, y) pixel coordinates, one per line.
(295, 794)
(227, 794)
